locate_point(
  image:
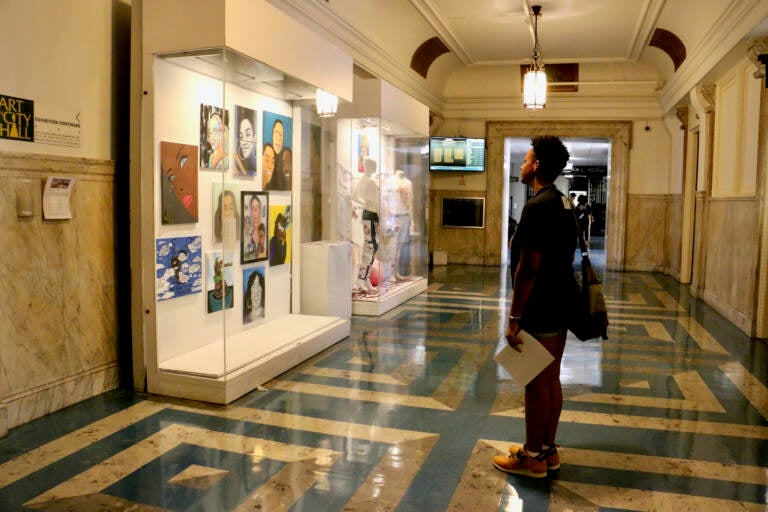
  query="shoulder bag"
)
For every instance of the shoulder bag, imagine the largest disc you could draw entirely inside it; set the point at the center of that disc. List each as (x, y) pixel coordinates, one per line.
(589, 317)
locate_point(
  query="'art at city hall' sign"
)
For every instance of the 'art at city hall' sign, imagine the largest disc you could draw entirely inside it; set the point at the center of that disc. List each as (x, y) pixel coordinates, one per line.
(17, 118)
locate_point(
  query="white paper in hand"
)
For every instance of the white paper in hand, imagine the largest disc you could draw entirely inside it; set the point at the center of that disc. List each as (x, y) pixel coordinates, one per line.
(525, 365)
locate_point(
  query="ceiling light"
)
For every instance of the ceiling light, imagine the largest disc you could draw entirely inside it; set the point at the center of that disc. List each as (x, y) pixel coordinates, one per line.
(327, 103)
(535, 81)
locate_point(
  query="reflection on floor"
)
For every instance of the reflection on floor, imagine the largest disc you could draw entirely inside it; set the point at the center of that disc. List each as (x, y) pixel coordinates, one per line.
(671, 413)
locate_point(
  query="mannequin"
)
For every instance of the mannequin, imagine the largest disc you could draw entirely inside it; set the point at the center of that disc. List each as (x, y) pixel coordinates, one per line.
(402, 210)
(366, 193)
(357, 237)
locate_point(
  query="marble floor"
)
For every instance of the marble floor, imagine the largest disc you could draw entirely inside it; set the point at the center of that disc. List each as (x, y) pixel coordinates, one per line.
(671, 413)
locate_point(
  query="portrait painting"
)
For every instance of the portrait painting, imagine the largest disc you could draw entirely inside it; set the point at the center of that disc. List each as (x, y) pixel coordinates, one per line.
(253, 240)
(277, 154)
(254, 292)
(214, 137)
(219, 283)
(178, 183)
(246, 147)
(280, 235)
(178, 266)
(225, 214)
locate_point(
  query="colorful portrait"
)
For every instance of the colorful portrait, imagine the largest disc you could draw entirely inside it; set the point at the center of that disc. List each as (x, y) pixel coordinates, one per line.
(254, 292)
(277, 154)
(178, 266)
(219, 283)
(280, 235)
(214, 137)
(226, 215)
(246, 147)
(178, 183)
(253, 240)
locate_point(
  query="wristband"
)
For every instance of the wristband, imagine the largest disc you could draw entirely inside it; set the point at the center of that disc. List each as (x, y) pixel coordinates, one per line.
(515, 318)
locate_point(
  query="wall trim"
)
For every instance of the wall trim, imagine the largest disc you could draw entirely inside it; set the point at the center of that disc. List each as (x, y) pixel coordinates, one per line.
(739, 319)
(39, 164)
(36, 402)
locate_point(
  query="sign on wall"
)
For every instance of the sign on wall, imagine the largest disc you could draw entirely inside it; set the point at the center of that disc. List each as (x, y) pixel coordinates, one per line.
(17, 118)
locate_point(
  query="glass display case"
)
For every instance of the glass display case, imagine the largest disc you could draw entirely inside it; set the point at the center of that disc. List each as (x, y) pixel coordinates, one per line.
(383, 184)
(225, 143)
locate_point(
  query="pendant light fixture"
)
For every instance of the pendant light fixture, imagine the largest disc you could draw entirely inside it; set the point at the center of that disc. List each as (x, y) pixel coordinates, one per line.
(326, 103)
(535, 80)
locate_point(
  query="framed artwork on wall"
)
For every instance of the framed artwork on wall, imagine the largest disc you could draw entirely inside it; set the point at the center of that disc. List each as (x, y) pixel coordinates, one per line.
(179, 267)
(277, 154)
(253, 242)
(214, 137)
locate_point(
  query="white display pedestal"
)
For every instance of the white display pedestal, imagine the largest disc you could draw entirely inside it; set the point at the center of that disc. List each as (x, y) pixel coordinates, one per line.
(326, 278)
(376, 306)
(253, 357)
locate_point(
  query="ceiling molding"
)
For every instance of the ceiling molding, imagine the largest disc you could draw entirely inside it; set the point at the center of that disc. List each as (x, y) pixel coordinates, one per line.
(646, 24)
(592, 108)
(734, 23)
(443, 29)
(367, 54)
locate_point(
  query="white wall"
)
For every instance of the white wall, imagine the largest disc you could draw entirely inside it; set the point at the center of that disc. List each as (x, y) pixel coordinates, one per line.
(59, 54)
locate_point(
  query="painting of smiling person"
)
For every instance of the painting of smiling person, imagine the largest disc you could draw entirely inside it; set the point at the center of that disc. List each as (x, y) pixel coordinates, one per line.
(245, 146)
(178, 178)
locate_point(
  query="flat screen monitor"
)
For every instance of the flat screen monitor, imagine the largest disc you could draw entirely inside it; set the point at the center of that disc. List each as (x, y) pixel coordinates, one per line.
(456, 154)
(463, 212)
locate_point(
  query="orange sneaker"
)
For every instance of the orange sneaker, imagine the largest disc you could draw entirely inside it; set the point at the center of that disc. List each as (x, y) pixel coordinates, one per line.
(552, 456)
(521, 464)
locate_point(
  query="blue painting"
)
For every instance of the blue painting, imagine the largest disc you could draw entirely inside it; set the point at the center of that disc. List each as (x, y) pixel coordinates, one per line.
(178, 266)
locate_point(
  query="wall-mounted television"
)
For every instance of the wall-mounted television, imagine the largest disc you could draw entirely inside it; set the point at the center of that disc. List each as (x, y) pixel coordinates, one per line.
(456, 154)
(463, 212)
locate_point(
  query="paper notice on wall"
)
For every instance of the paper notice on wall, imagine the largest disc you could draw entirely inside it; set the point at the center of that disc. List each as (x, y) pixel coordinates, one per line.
(56, 125)
(57, 198)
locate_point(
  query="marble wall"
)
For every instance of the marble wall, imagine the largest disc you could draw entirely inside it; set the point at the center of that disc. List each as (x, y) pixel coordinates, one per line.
(58, 321)
(731, 259)
(646, 231)
(463, 245)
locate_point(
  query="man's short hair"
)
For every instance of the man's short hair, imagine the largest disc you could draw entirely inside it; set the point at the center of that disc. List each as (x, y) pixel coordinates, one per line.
(551, 154)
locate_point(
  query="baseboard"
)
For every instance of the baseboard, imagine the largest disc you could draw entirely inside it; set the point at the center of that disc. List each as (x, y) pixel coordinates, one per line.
(733, 315)
(40, 401)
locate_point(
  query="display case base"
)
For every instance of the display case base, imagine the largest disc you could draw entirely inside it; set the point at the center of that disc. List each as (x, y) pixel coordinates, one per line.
(376, 305)
(252, 358)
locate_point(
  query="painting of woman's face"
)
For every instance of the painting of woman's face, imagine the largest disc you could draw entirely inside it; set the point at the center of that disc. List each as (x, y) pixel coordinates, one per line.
(277, 136)
(256, 294)
(268, 164)
(255, 212)
(228, 210)
(179, 178)
(180, 174)
(245, 137)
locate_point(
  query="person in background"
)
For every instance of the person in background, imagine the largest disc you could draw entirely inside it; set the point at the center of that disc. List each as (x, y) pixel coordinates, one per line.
(584, 216)
(543, 291)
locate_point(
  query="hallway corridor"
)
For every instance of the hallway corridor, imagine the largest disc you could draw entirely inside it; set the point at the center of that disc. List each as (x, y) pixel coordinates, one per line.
(671, 413)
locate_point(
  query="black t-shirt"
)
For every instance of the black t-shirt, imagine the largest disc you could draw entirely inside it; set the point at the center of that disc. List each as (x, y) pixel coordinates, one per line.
(547, 226)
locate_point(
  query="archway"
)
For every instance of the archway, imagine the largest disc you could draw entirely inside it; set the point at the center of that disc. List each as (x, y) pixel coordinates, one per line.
(619, 133)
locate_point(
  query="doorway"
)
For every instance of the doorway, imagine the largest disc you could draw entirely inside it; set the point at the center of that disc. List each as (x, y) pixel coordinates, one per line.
(614, 133)
(585, 176)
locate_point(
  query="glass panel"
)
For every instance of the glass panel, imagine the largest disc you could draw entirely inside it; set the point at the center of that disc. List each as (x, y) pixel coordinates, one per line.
(382, 185)
(229, 133)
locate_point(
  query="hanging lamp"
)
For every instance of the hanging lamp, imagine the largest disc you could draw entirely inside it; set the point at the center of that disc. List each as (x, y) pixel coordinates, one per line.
(535, 80)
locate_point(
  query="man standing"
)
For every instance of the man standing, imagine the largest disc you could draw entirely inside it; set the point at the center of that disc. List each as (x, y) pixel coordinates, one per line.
(544, 288)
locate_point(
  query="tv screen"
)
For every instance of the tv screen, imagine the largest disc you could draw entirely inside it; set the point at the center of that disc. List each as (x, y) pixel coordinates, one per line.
(457, 154)
(463, 212)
